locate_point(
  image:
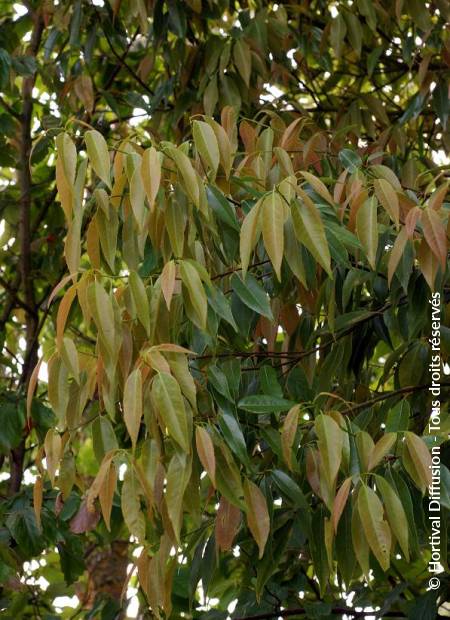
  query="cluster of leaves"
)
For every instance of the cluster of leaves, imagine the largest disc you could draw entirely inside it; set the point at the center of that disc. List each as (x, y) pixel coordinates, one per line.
(238, 358)
(201, 283)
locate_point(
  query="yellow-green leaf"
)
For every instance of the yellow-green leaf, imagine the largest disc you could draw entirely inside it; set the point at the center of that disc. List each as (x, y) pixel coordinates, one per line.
(151, 174)
(187, 172)
(53, 450)
(380, 449)
(418, 465)
(140, 299)
(131, 505)
(168, 400)
(376, 529)
(318, 186)
(132, 404)
(97, 151)
(395, 514)
(387, 196)
(206, 144)
(168, 275)
(178, 474)
(250, 231)
(272, 229)
(197, 296)
(367, 229)
(330, 443)
(258, 519)
(310, 232)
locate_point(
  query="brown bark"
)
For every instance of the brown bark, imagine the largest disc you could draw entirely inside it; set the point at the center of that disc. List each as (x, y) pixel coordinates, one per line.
(25, 185)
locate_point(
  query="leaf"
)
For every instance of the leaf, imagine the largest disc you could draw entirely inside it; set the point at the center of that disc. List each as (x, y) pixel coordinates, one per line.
(151, 174)
(318, 186)
(261, 403)
(367, 229)
(258, 519)
(380, 449)
(310, 232)
(243, 60)
(178, 474)
(97, 151)
(435, 234)
(67, 152)
(168, 400)
(132, 405)
(131, 505)
(106, 494)
(337, 33)
(196, 292)
(205, 451)
(350, 160)
(38, 493)
(227, 523)
(69, 355)
(32, 386)
(53, 451)
(377, 532)
(187, 172)
(137, 199)
(339, 502)
(139, 295)
(206, 144)
(330, 443)
(234, 437)
(252, 294)
(388, 198)
(396, 253)
(168, 276)
(250, 231)
(419, 463)
(291, 490)
(63, 311)
(272, 229)
(359, 541)
(288, 433)
(395, 514)
(103, 437)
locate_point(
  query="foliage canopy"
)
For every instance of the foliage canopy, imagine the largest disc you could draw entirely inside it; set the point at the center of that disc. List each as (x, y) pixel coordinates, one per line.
(222, 226)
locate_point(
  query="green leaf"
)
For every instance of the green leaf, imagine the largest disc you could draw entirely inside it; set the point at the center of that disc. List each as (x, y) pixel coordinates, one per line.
(262, 403)
(12, 421)
(350, 160)
(221, 207)
(252, 294)
(103, 437)
(234, 437)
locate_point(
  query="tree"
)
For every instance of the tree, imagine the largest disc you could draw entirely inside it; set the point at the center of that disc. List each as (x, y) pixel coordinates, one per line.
(223, 225)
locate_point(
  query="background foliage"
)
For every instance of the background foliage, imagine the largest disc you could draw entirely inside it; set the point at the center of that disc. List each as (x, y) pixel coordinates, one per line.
(265, 186)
